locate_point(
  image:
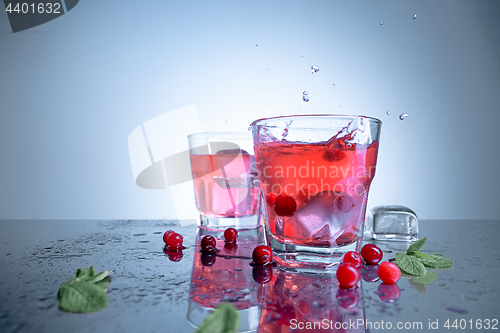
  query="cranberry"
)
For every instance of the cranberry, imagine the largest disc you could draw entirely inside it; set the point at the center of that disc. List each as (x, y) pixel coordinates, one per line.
(262, 274)
(167, 235)
(175, 241)
(348, 275)
(271, 199)
(388, 272)
(285, 205)
(388, 293)
(208, 243)
(262, 255)
(334, 155)
(353, 258)
(372, 254)
(230, 235)
(208, 258)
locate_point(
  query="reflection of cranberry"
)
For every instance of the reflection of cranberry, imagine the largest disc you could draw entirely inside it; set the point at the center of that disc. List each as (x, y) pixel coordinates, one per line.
(263, 274)
(231, 248)
(176, 256)
(208, 259)
(347, 298)
(369, 273)
(388, 293)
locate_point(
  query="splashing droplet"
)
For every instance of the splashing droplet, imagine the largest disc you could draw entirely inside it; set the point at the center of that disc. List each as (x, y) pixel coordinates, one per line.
(388, 113)
(305, 98)
(403, 116)
(414, 16)
(334, 84)
(314, 69)
(305, 92)
(381, 23)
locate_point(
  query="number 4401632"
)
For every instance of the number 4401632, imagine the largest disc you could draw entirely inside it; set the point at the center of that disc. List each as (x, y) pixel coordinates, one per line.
(48, 8)
(472, 324)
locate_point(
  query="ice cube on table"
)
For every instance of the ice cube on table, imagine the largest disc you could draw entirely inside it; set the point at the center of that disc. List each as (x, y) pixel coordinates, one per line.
(398, 223)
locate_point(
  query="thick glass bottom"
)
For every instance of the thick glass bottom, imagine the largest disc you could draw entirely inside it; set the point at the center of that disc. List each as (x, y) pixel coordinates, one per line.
(222, 223)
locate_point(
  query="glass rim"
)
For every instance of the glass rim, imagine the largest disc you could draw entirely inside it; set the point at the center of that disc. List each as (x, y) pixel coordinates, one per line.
(324, 115)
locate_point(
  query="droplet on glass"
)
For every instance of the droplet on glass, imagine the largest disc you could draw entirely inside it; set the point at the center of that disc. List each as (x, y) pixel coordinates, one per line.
(381, 23)
(388, 113)
(414, 16)
(314, 69)
(305, 98)
(305, 92)
(403, 116)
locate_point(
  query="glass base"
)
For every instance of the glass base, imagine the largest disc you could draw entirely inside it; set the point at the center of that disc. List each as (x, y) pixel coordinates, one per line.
(308, 258)
(222, 223)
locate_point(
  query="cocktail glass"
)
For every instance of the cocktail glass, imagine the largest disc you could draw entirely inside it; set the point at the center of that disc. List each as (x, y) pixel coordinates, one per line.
(225, 180)
(315, 172)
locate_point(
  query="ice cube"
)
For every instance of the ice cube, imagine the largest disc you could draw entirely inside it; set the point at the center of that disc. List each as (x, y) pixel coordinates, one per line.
(397, 223)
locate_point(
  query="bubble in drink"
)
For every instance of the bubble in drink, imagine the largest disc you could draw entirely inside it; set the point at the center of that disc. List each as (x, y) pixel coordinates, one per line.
(403, 116)
(414, 16)
(314, 69)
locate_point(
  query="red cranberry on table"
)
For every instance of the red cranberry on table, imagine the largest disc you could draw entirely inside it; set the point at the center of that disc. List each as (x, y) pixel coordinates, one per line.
(347, 275)
(389, 272)
(208, 243)
(230, 235)
(372, 254)
(262, 255)
(175, 241)
(167, 235)
(353, 258)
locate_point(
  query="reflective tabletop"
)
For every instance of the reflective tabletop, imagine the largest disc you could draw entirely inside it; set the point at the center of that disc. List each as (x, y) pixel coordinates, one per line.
(156, 291)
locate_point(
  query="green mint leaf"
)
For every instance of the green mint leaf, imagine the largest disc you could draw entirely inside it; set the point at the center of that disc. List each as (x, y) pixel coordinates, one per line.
(442, 262)
(416, 246)
(428, 261)
(419, 255)
(428, 278)
(82, 297)
(410, 264)
(104, 284)
(224, 319)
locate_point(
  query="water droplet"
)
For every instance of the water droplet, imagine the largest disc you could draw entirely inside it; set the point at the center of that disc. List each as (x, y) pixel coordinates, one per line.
(381, 23)
(305, 93)
(388, 113)
(305, 98)
(403, 116)
(334, 84)
(414, 16)
(314, 69)
(256, 44)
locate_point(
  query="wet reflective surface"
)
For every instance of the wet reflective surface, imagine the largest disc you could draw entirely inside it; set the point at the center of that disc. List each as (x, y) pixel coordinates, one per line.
(154, 291)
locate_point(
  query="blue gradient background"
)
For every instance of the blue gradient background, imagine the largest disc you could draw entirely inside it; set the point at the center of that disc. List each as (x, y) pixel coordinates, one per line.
(73, 89)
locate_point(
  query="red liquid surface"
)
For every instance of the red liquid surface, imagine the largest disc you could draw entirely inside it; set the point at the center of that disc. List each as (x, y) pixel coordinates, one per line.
(224, 185)
(329, 183)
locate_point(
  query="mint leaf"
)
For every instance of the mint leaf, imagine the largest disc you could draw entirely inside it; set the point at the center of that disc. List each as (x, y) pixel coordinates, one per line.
(82, 297)
(86, 292)
(442, 262)
(409, 264)
(416, 246)
(224, 319)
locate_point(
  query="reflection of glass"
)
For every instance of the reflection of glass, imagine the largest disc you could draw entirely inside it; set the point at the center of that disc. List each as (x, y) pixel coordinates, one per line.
(226, 186)
(315, 172)
(225, 276)
(310, 303)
